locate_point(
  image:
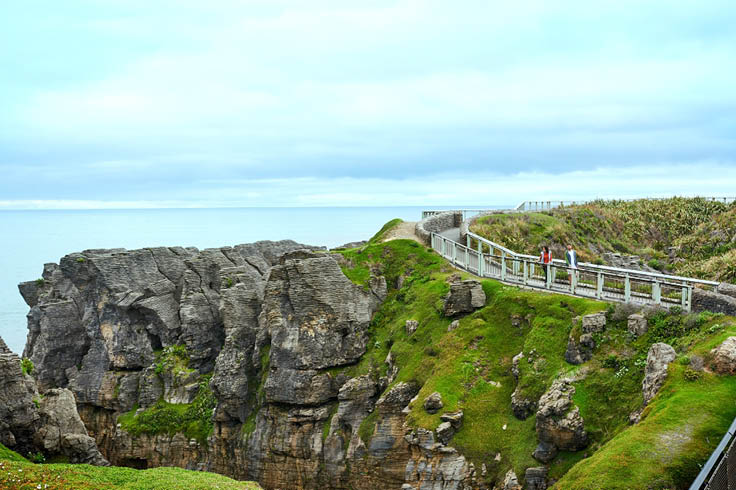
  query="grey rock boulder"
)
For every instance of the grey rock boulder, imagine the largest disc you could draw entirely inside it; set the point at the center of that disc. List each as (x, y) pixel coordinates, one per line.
(411, 327)
(536, 478)
(594, 323)
(724, 357)
(558, 420)
(703, 300)
(62, 431)
(659, 357)
(637, 325)
(727, 289)
(433, 403)
(445, 431)
(464, 297)
(510, 481)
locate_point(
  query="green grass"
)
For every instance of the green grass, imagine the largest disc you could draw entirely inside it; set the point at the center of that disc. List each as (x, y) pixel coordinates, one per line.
(192, 419)
(24, 475)
(26, 366)
(384, 230)
(469, 366)
(8, 455)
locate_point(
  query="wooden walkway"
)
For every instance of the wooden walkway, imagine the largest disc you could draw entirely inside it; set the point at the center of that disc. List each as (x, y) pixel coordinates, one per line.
(485, 258)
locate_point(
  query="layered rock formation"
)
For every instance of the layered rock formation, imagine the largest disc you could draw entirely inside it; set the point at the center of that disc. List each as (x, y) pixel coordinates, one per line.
(40, 423)
(265, 330)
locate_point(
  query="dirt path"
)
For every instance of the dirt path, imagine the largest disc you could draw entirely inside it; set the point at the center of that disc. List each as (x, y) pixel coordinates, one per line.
(405, 230)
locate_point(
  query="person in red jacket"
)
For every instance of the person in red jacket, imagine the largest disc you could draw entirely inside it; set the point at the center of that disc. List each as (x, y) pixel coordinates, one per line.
(545, 258)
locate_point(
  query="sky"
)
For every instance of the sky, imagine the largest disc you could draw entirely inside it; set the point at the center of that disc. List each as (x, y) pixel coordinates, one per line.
(181, 103)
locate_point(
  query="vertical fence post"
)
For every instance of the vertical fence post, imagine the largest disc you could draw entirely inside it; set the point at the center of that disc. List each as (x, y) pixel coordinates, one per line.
(467, 240)
(443, 247)
(549, 275)
(503, 265)
(467, 258)
(516, 268)
(684, 297)
(573, 280)
(599, 286)
(480, 247)
(656, 292)
(481, 259)
(454, 252)
(627, 288)
(526, 272)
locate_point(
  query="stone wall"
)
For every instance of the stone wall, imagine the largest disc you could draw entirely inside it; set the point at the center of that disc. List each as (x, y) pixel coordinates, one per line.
(437, 223)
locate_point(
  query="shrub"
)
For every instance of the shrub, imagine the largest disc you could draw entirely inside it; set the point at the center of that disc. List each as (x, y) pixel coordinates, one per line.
(26, 366)
(228, 282)
(37, 457)
(691, 374)
(685, 360)
(612, 361)
(40, 282)
(81, 260)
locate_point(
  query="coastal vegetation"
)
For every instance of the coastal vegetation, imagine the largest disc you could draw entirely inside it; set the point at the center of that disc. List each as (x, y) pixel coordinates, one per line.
(471, 367)
(687, 236)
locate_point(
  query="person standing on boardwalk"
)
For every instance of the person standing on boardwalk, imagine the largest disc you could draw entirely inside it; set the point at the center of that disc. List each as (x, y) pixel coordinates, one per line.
(545, 258)
(571, 259)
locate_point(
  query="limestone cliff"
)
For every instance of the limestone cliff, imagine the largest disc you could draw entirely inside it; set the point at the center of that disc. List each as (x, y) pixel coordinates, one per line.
(149, 336)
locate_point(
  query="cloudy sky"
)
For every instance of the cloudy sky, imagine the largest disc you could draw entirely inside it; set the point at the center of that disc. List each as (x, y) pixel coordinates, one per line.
(133, 103)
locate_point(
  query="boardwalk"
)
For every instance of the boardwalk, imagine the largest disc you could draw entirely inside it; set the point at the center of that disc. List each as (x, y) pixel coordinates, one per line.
(486, 258)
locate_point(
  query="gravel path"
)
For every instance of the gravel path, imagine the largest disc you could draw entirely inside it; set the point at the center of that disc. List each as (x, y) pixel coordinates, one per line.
(404, 230)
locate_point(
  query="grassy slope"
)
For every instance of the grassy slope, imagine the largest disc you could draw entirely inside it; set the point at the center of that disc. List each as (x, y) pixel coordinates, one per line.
(17, 473)
(705, 232)
(470, 367)
(20, 475)
(681, 427)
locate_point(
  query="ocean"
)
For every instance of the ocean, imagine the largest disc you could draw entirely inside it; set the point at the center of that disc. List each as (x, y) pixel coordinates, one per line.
(32, 238)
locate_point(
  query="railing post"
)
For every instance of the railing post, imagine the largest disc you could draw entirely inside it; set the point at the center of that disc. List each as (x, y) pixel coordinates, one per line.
(467, 240)
(549, 275)
(480, 247)
(443, 246)
(656, 292)
(526, 272)
(467, 259)
(573, 280)
(516, 267)
(599, 286)
(481, 259)
(503, 265)
(684, 297)
(454, 252)
(627, 289)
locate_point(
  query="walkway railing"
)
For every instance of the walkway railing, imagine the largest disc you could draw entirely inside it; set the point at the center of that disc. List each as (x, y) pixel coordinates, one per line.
(546, 205)
(588, 280)
(719, 472)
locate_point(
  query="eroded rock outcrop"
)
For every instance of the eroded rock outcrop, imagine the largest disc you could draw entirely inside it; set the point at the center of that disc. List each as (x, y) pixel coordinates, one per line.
(659, 357)
(559, 424)
(47, 423)
(724, 357)
(464, 297)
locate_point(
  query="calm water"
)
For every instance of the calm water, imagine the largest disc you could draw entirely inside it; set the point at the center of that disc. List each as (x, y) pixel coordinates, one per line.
(32, 238)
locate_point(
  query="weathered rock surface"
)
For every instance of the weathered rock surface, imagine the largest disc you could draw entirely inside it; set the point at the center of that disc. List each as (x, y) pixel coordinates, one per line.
(559, 424)
(464, 297)
(411, 327)
(724, 357)
(433, 403)
(716, 302)
(580, 349)
(637, 325)
(594, 323)
(536, 478)
(31, 423)
(727, 289)
(659, 357)
(510, 481)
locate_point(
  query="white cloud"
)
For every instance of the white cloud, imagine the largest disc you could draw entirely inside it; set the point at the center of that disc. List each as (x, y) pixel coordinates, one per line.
(716, 179)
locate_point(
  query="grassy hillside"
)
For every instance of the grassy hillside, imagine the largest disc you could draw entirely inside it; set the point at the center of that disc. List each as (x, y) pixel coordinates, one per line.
(17, 473)
(471, 368)
(703, 233)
